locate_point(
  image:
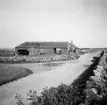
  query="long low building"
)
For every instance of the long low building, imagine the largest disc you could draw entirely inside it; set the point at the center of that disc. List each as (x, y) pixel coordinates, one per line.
(42, 48)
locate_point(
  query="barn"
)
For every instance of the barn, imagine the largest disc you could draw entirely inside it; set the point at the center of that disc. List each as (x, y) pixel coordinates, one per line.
(42, 48)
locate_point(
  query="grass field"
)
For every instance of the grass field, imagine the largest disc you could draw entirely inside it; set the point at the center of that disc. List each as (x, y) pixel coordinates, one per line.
(10, 73)
(6, 52)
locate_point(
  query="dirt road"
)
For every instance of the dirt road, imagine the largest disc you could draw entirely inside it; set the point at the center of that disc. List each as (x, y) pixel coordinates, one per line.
(63, 74)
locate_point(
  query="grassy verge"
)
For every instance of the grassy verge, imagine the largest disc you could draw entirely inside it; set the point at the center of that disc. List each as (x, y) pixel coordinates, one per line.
(9, 73)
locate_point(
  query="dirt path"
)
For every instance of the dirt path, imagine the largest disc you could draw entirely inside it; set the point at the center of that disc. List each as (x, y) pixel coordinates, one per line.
(63, 74)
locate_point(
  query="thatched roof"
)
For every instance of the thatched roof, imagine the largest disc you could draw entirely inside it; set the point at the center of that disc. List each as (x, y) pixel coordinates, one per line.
(43, 45)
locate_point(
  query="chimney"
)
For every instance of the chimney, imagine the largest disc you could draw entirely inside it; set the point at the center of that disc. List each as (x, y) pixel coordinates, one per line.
(71, 42)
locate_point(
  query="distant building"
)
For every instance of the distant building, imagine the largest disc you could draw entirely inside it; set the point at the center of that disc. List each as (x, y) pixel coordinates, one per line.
(42, 48)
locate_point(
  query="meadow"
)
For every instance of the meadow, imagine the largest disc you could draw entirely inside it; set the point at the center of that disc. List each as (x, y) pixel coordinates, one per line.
(7, 52)
(10, 73)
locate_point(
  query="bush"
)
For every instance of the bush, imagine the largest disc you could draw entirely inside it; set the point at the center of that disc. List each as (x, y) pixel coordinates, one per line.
(19, 99)
(61, 95)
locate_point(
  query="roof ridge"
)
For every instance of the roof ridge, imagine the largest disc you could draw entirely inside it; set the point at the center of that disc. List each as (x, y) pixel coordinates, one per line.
(46, 41)
(44, 44)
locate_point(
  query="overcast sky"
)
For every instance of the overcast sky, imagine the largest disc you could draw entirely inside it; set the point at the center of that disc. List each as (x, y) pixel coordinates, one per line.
(82, 21)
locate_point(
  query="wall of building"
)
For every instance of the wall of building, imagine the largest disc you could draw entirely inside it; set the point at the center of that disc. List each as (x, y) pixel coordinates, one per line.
(46, 51)
(65, 51)
(33, 51)
(37, 51)
(42, 51)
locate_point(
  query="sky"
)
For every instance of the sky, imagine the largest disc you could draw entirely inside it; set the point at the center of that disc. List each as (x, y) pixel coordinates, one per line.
(82, 21)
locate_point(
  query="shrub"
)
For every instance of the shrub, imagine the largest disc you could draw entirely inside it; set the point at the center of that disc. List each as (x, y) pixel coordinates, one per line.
(32, 97)
(61, 95)
(19, 99)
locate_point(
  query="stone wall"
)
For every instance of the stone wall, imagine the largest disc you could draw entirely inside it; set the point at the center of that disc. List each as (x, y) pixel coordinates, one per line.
(96, 85)
(42, 58)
